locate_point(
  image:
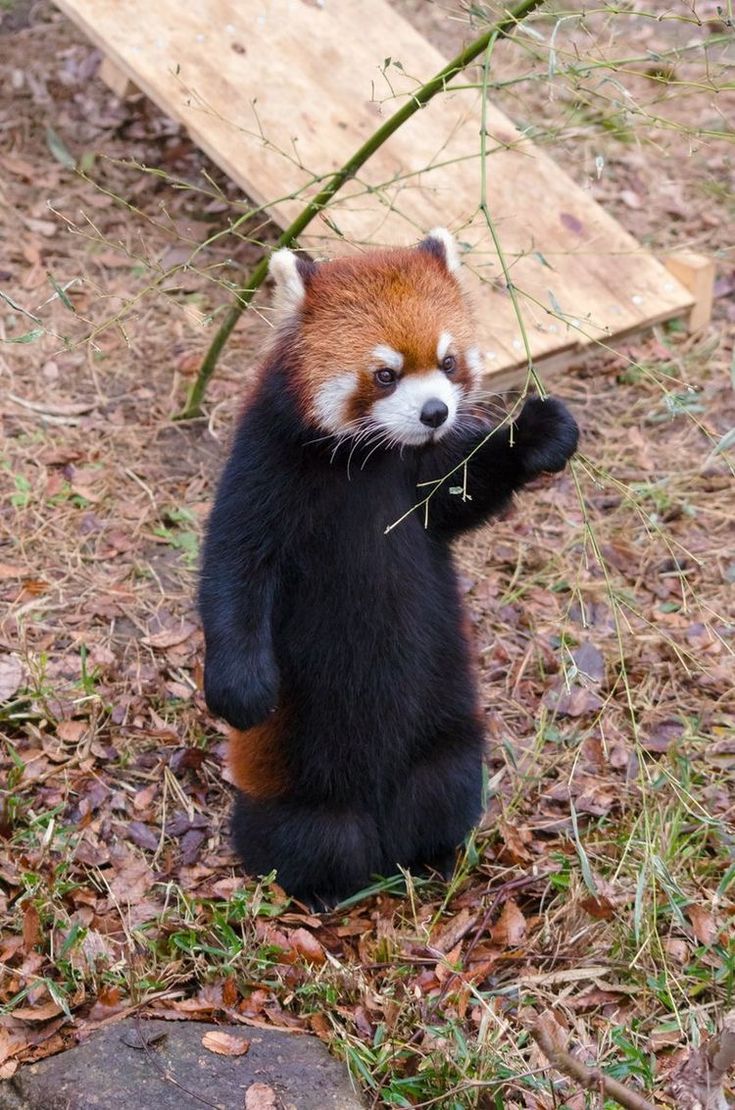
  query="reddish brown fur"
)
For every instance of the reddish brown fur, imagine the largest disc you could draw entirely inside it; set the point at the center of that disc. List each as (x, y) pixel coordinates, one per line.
(403, 298)
(255, 758)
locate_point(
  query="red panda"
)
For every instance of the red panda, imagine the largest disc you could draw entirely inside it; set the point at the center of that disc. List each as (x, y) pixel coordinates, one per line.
(335, 638)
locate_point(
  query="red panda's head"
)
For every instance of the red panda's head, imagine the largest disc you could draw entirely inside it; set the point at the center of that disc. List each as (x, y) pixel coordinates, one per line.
(385, 339)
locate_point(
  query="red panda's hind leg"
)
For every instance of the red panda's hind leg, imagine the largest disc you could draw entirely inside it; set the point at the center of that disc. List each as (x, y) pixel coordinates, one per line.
(439, 801)
(321, 853)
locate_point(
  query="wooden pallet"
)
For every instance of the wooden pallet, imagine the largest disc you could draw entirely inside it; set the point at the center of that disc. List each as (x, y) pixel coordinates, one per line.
(280, 92)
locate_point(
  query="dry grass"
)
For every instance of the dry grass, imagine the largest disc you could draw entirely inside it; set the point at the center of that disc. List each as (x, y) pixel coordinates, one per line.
(601, 882)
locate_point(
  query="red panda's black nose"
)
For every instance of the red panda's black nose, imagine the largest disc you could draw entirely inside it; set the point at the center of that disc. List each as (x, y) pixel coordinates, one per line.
(434, 413)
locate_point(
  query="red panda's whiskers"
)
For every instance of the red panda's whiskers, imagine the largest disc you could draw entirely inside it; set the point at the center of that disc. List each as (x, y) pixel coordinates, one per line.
(491, 407)
(355, 429)
(341, 434)
(384, 440)
(363, 437)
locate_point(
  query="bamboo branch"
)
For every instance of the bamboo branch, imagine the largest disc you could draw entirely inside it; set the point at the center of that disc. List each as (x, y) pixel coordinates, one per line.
(485, 209)
(417, 100)
(544, 1030)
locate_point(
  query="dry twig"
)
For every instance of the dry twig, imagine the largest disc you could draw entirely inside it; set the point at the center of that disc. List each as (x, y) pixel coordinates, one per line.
(545, 1031)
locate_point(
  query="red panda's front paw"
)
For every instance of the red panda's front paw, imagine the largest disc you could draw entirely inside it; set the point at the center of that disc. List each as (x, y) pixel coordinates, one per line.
(546, 434)
(241, 699)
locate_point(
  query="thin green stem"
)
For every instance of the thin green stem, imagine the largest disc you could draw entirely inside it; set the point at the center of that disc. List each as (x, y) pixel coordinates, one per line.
(417, 100)
(484, 208)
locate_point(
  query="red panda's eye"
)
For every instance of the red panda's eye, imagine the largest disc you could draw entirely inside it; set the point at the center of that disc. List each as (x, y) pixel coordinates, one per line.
(449, 364)
(385, 376)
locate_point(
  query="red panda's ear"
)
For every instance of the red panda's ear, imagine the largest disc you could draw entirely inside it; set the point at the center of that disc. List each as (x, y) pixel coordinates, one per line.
(291, 274)
(442, 244)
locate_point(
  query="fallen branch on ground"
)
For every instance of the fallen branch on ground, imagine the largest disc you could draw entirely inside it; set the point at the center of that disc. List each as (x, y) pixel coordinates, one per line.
(545, 1031)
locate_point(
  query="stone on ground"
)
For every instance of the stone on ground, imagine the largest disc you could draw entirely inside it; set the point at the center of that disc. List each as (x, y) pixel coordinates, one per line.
(163, 1065)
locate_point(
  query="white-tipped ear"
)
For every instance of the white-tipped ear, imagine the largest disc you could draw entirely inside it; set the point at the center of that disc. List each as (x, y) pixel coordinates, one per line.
(290, 289)
(450, 247)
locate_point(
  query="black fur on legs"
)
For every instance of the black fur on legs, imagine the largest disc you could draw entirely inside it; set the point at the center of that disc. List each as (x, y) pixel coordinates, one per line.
(321, 853)
(355, 633)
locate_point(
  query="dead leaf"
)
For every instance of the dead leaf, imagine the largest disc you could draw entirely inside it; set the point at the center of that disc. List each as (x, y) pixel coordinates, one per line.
(662, 735)
(510, 928)
(573, 701)
(143, 798)
(589, 662)
(142, 835)
(601, 908)
(71, 732)
(42, 227)
(11, 676)
(229, 993)
(259, 1096)
(31, 927)
(10, 570)
(593, 998)
(321, 1026)
(54, 408)
(677, 949)
(109, 1002)
(515, 843)
(598, 800)
(703, 924)
(132, 880)
(697, 1082)
(446, 938)
(19, 167)
(169, 637)
(225, 1044)
(37, 1013)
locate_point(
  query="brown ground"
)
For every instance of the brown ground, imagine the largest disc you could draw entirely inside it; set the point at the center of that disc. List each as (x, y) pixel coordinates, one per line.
(601, 881)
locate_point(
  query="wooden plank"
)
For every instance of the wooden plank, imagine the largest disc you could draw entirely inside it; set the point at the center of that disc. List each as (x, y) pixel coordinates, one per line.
(696, 272)
(116, 79)
(280, 92)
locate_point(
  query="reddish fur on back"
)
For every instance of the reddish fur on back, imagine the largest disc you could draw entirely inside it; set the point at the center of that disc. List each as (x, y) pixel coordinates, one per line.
(255, 758)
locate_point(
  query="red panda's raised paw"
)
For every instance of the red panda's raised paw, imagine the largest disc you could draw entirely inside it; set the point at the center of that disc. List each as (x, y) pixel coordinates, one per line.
(546, 435)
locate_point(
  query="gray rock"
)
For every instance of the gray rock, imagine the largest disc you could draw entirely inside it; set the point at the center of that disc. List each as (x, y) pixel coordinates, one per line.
(162, 1065)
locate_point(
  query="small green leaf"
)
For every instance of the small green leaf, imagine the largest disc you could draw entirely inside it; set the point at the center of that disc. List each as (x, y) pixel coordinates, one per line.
(61, 293)
(726, 881)
(18, 307)
(86, 162)
(584, 863)
(727, 441)
(554, 303)
(640, 892)
(27, 337)
(59, 150)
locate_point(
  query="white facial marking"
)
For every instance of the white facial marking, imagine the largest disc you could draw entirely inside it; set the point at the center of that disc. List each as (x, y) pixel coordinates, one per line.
(387, 356)
(445, 342)
(290, 291)
(451, 250)
(330, 402)
(475, 362)
(400, 413)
